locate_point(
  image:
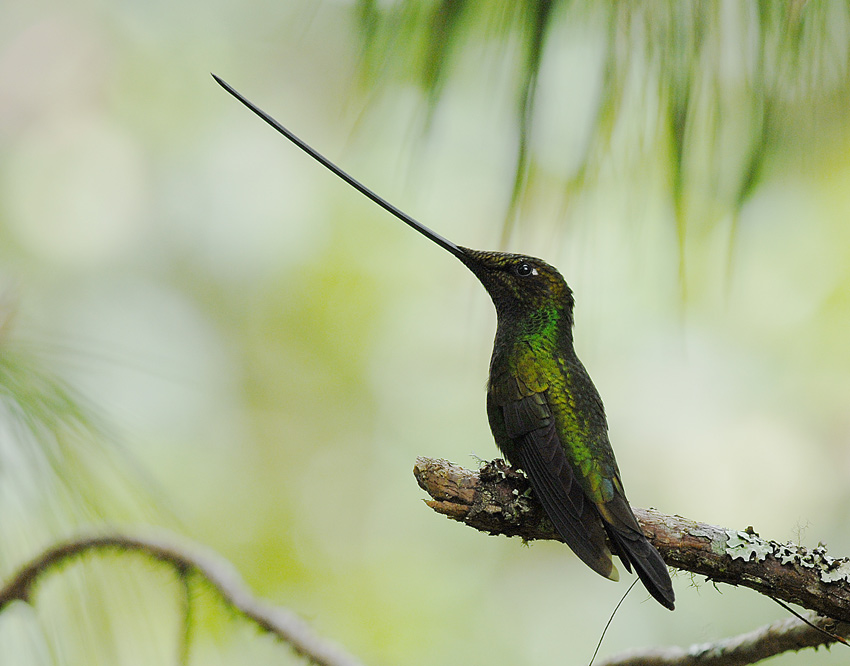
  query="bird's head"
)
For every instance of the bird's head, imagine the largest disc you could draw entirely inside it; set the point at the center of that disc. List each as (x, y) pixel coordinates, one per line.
(518, 283)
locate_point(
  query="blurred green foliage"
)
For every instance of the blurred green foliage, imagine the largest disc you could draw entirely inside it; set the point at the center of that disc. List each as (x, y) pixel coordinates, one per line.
(718, 87)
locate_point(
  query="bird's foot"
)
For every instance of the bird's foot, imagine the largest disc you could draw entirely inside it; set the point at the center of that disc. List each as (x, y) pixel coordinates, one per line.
(498, 469)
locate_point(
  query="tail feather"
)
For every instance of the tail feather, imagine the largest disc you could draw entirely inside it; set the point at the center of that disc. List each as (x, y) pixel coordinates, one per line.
(634, 549)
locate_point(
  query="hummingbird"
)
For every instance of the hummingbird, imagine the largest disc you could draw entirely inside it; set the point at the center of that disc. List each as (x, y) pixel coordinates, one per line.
(544, 411)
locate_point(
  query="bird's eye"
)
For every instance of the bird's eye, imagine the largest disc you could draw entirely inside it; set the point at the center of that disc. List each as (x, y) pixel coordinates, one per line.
(524, 270)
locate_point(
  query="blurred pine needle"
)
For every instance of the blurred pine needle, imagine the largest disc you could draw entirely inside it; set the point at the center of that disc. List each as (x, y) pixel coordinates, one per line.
(721, 88)
(62, 472)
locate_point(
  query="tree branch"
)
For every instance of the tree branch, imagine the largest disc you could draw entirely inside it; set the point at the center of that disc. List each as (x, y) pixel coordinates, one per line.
(767, 641)
(187, 560)
(495, 500)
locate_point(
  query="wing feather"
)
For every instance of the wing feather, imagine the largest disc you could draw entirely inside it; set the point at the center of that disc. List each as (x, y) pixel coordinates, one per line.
(529, 423)
(523, 424)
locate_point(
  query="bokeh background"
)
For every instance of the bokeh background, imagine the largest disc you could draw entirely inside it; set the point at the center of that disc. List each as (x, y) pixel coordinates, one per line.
(202, 330)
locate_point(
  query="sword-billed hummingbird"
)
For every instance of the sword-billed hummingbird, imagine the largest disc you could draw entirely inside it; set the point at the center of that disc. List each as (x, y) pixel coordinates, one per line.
(544, 411)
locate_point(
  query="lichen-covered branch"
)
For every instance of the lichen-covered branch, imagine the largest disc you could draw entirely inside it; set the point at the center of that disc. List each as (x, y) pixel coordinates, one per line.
(767, 641)
(186, 560)
(495, 500)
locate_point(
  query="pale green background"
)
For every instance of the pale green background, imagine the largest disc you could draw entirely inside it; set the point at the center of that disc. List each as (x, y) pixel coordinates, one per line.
(272, 351)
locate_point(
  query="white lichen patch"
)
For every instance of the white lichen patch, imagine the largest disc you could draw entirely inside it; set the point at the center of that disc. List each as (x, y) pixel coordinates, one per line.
(748, 546)
(839, 573)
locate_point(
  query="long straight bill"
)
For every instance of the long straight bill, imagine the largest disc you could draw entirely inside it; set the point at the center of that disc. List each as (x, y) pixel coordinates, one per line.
(356, 184)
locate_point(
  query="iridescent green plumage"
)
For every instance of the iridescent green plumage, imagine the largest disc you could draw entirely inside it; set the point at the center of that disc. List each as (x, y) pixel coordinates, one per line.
(547, 418)
(544, 411)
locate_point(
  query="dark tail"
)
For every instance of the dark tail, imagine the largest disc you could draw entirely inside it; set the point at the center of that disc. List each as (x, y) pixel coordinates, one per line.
(634, 549)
